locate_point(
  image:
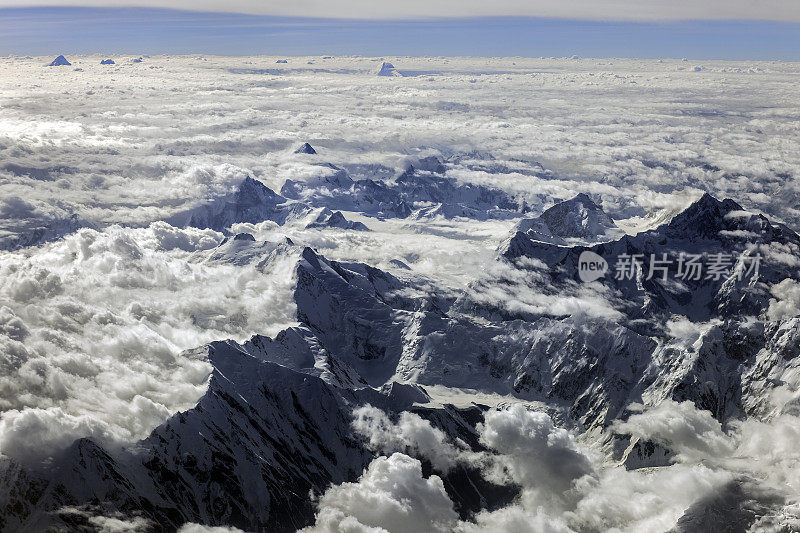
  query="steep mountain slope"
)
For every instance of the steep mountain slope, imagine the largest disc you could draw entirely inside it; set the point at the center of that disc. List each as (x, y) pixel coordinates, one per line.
(251, 202)
(712, 260)
(272, 427)
(260, 434)
(578, 219)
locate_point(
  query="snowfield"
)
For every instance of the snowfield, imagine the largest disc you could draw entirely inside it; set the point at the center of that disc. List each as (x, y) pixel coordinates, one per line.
(344, 294)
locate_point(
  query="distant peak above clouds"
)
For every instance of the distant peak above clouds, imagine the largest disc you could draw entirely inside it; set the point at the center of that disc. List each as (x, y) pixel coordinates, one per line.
(306, 149)
(579, 220)
(628, 10)
(60, 61)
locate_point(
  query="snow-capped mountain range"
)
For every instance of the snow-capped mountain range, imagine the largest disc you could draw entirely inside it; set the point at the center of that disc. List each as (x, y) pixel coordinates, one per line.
(273, 430)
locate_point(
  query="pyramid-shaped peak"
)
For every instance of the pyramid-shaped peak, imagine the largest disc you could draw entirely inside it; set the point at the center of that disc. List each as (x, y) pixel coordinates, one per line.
(252, 190)
(707, 207)
(107, 62)
(584, 199)
(704, 217)
(60, 61)
(305, 149)
(579, 202)
(579, 217)
(311, 257)
(336, 218)
(387, 69)
(251, 183)
(707, 201)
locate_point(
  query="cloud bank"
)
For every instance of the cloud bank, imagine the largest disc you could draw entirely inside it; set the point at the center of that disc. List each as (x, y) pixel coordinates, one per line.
(639, 10)
(567, 486)
(96, 331)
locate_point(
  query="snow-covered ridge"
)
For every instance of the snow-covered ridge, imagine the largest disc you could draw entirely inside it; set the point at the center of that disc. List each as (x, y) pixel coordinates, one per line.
(575, 221)
(704, 230)
(274, 418)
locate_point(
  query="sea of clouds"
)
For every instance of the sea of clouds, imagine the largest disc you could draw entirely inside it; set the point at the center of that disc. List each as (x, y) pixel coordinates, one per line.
(566, 486)
(97, 329)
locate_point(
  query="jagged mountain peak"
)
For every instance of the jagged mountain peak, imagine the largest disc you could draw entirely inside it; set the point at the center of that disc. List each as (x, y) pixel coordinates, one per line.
(711, 219)
(704, 216)
(253, 190)
(251, 202)
(387, 69)
(707, 203)
(243, 249)
(583, 198)
(734, 271)
(346, 305)
(306, 149)
(335, 219)
(310, 255)
(577, 219)
(422, 185)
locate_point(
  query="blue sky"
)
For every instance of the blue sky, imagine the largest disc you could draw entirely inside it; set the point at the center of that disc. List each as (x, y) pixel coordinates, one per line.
(53, 30)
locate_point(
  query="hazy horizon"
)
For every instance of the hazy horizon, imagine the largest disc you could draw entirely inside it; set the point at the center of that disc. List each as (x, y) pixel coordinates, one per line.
(55, 30)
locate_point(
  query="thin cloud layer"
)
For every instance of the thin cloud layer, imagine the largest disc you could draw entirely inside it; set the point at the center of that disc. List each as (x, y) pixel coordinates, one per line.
(648, 10)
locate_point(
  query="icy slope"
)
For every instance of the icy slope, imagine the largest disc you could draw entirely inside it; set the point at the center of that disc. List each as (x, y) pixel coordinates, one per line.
(251, 202)
(424, 190)
(575, 221)
(724, 240)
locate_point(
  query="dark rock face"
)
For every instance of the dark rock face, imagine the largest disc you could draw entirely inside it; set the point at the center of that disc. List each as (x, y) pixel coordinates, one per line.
(261, 440)
(305, 149)
(60, 61)
(719, 236)
(244, 237)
